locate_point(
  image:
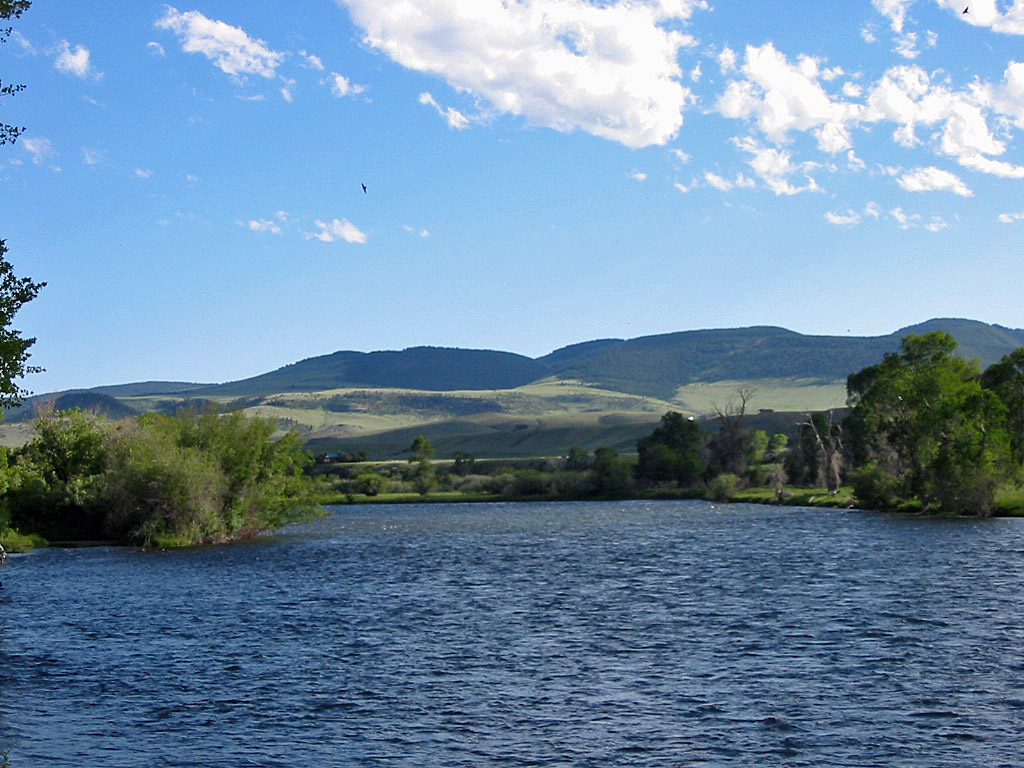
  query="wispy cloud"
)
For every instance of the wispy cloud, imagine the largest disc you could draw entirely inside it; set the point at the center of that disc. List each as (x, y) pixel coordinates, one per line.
(41, 149)
(454, 117)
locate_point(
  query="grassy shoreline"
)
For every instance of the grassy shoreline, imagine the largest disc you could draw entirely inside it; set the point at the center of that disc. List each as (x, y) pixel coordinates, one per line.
(1010, 503)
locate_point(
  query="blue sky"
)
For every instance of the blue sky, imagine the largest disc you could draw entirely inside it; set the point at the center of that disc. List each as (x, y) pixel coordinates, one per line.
(538, 173)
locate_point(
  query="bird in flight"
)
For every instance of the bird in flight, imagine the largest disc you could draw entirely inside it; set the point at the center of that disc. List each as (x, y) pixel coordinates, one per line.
(364, 187)
(967, 9)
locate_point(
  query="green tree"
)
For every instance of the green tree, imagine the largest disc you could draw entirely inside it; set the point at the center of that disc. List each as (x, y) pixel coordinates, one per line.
(370, 483)
(922, 418)
(673, 452)
(421, 449)
(54, 484)
(463, 463)
(609, 473)
(1006, 379)
(15, 292)
(758, 446)
(578, 459)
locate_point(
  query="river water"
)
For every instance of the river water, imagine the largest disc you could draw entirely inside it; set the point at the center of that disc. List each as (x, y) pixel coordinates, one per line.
(582, 634)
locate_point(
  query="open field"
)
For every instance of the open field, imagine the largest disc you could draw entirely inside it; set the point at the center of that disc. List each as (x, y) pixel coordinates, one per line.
(770, 394)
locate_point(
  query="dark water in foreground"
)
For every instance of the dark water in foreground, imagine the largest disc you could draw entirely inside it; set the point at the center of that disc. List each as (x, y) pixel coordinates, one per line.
(607, 634)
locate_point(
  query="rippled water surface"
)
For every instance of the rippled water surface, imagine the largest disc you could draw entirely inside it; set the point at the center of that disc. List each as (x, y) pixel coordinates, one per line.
(591, 634)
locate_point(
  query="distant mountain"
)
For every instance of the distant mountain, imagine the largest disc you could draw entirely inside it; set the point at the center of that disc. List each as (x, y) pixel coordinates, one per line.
(655, 366)
(439, 369)
(659, 365)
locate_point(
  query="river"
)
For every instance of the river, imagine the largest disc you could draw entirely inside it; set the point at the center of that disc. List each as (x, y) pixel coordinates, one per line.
(564, 634)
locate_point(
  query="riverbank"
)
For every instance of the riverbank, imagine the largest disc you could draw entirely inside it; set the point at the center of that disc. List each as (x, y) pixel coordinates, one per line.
(1009, 503)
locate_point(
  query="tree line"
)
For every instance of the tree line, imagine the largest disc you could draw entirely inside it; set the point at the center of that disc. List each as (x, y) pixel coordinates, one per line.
(924, 429)
(154, 480)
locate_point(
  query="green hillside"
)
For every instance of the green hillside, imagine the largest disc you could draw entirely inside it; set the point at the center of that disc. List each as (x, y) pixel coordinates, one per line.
(490, 403)
(438, 369)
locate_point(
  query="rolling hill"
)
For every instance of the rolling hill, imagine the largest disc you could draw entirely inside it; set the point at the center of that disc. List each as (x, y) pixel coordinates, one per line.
(605, 391)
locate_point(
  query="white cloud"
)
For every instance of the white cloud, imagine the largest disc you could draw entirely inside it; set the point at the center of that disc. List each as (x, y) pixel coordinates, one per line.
(421, 232)
(716, 181)
(155, 48)
(608, 69)
(985, 13)
(455, 118)
(91, 156)
(142, 173)
(41, 149)
(338, 230)
(680, 155)
(638, 176)
(848, 219)
(311, 61)
(230, 49)
(727, 60)
(264, 225)
(73, 61)
(781, 97)
(894, 10)
(775, 167)
(341, 86)
(931, 179)
(1010, 218)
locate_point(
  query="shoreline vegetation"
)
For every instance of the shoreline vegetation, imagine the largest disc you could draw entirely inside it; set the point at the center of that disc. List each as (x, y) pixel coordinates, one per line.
(925, 432)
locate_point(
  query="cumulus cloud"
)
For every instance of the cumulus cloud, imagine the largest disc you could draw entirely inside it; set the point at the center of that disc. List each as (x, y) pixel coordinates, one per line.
(638, 176)
(338, 230)
(230, 49)
(931, 179)
(73, 60)
(1010, 218)
(609, 69)
(986, 13)
(782, 96)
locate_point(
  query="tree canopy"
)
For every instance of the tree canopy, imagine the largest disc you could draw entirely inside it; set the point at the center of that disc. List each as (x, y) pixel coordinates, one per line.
(927, 429)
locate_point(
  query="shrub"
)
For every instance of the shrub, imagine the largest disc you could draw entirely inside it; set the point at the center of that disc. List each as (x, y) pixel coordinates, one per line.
(724, 487)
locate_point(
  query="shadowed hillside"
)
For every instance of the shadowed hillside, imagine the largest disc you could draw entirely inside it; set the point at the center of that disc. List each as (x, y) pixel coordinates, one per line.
(438, 369)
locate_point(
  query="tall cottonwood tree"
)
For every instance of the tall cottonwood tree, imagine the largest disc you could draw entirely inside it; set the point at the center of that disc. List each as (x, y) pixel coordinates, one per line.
(924, 422)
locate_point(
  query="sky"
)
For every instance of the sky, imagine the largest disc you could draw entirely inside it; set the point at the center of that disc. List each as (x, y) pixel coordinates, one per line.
(537, 173)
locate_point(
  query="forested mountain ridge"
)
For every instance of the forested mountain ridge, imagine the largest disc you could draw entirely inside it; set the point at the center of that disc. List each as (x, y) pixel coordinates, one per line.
(655, 366)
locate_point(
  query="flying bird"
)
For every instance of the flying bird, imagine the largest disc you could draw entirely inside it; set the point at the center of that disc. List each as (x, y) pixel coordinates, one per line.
(966, 9)
(364, 187)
